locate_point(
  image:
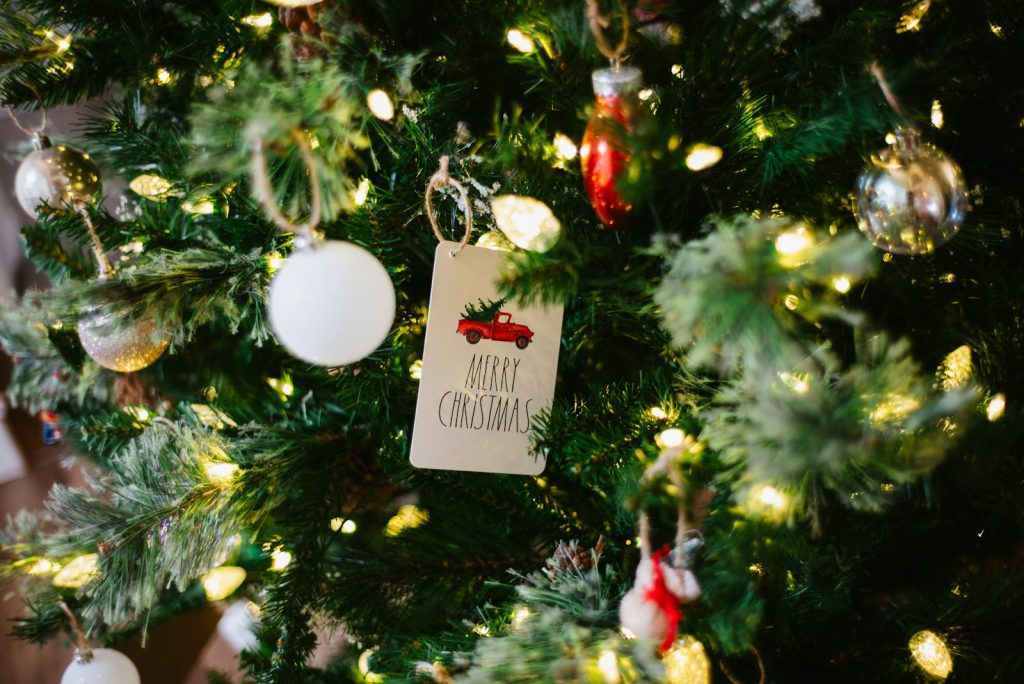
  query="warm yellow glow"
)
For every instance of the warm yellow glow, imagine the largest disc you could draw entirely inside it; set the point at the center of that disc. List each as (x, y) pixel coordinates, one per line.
(205, 80)
(772, 498)
(686, 662)
(482, 630)
(78, 572)
(702, 156)
(520, 41)
(520, 616)
(200, 205)
(890, 138)
(364, 667)
(61, 43)
(361, 192)
(494, 239)
(163, 76)
(283, 385)
(996, 407)
(842, 284)
(380, 105)
(996, 29)
(956, 369)
(761, 131)
(527, 222)
(259, 20)
(791, 301)
(406, 518)
(220, 472)
(911, 20)
(416, 369)
(627, 633)
(138, 412)
(348, 527)
(645, 94)
(608, 666)
(151, 187)
(671, 438)
(794, 241)
(677, 70)
(222, 582)
(937, 118)
(565, 148)
(893, 408)
(279, 560)
(757, 569)
(931, 653)
(657, 412)
(43, 566)
(798, 382)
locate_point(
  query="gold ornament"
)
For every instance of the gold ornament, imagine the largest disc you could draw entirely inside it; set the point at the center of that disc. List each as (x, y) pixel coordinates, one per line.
(124, 349)
(687, 662)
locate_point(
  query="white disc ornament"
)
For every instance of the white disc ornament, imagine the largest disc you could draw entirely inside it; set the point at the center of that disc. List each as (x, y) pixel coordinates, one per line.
(122, 349)
(331, 304)
(51, 175)
(106, 666)
(912, 198)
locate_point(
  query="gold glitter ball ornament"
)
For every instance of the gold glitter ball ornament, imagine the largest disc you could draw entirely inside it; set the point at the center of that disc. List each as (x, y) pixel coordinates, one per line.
(55, 174)
(121, 348)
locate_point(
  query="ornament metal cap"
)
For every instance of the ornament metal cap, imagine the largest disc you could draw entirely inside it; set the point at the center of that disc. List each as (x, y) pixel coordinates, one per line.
(617, 81)
(40, 141)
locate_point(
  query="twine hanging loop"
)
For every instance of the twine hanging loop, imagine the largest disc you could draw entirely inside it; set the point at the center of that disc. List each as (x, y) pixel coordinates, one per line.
(437, 182)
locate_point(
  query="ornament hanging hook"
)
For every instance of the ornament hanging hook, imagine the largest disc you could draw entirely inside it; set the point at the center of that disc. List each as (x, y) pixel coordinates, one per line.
(760, 666)
(665, 463)
(436, 182)
(264, 190)
(83, 652)
(102, 263)
(30, 130)
(883, 84)
(599, 23)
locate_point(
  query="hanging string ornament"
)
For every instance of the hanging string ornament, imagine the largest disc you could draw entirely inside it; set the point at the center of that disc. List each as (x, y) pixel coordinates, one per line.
(53, 174)
(604, 152)
(912, 198)
(652, 608)
(95, 665)
(332, 302)
(117, 345)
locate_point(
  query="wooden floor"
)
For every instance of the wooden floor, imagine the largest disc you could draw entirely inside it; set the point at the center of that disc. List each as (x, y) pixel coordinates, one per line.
(177, 652)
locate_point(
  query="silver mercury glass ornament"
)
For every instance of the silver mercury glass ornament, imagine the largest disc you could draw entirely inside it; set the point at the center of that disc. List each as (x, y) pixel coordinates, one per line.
(54, 174)
(912, 197)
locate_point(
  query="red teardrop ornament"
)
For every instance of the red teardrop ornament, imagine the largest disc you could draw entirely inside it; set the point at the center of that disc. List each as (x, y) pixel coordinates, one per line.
(604, 154)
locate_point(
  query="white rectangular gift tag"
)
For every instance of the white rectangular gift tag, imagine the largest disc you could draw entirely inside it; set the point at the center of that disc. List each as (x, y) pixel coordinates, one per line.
(488, 368)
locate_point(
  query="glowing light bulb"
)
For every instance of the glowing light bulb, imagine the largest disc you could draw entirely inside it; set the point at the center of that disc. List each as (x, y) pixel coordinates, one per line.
(361, 192)
(43, 566)
(345, 526)
(772, 498)
(496, 240)
(274, 261)
(686, 662)
(671, 438)
(279, 560)
(200, 205)
(996, 407)
(794, 241)
(791, 302)
(565, 148)
(645, 94)
(520, 41)
(78, 572)
(798, 382)
(956, 369)
(657, 412)
(222, 582)
(527, 222)
(702, 156)
(163, 76)
(937, 118)
(259, 20)
(931, 653)
(911, 20)
(380, 105)
(841, 284)
(220, 472)
(761, 131)
(893, 408)
(608, 665)
(152, 187)
(678, 71)
(520, 616)
(406, 518)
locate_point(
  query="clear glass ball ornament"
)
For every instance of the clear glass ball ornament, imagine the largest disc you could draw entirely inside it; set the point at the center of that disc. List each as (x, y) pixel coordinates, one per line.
(101, 666)
(331, 304)
(912, 198)
(54, 174)
(120, 348)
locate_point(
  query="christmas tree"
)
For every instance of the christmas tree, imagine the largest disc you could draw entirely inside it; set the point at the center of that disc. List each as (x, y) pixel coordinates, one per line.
(786, 239)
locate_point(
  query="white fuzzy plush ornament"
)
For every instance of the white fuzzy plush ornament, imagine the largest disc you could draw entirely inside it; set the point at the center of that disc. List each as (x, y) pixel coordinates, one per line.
(101, 666)
(650, 610)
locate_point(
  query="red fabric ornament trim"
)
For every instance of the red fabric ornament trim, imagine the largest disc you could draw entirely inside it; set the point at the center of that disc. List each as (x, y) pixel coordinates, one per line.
(659, 594)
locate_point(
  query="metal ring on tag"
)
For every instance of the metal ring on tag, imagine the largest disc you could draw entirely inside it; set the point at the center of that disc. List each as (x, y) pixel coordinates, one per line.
(436, 182)
(265, 192)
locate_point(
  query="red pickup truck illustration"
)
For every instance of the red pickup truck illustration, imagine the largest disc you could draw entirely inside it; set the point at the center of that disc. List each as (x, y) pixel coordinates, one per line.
(501, 329)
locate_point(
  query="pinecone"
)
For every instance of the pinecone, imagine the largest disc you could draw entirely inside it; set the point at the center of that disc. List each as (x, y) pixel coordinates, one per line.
(571, 555)
(307, 33)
